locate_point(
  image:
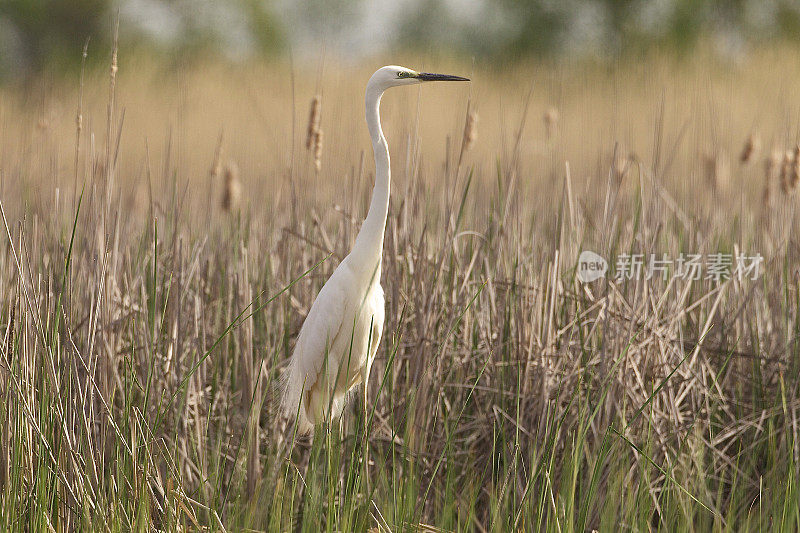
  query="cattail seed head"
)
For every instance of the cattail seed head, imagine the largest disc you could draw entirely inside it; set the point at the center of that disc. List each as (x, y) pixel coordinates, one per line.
(786, 170)
(313, 122)
(470, 130)
(550, 121)
(794, 169)
(717, 170)
(318, 150)
(620, 164)
(751, 149)
(233, 187)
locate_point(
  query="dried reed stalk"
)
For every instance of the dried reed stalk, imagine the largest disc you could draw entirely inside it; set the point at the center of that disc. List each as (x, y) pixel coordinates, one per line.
(771, 171)
(79, 121)
(216, 165)
(112, 84)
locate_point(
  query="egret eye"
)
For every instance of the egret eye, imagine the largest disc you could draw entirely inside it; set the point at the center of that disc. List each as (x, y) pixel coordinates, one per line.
(402, 74)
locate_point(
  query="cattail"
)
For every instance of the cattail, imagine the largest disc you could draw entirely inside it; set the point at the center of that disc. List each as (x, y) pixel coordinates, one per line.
(550, 121)
(794, 169)
(233, 187)
(318, 150)
(787, 165)
(114, 65)
(717, 170)
(314, 133)
(313, 123)
(99, 168)
(470, 130)
(751, 149)
(619, 165)
(771, 167)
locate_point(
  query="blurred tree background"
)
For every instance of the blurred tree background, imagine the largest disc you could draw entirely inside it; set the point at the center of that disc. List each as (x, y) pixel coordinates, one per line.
(35, 33)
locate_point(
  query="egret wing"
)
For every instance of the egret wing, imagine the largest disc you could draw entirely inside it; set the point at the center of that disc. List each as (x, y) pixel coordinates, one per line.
(319, 332)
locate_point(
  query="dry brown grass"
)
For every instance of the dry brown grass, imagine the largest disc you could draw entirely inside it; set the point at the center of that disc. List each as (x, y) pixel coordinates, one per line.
(158, 346)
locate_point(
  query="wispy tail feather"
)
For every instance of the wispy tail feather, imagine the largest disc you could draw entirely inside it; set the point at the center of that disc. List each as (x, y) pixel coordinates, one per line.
(309, 405)
(294, 407)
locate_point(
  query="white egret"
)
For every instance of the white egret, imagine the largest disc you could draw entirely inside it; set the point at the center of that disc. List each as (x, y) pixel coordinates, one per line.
(341, 333)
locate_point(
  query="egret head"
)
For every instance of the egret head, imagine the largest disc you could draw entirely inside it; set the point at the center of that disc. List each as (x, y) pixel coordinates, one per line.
(393, 76)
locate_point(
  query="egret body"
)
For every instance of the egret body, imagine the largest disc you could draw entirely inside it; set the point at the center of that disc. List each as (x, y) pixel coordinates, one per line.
(340, 336)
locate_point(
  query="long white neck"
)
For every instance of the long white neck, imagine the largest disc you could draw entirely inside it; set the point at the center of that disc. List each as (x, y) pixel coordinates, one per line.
(368, 249)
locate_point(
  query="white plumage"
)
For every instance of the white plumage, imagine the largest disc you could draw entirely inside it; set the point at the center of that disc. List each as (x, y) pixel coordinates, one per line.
(340, 336)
